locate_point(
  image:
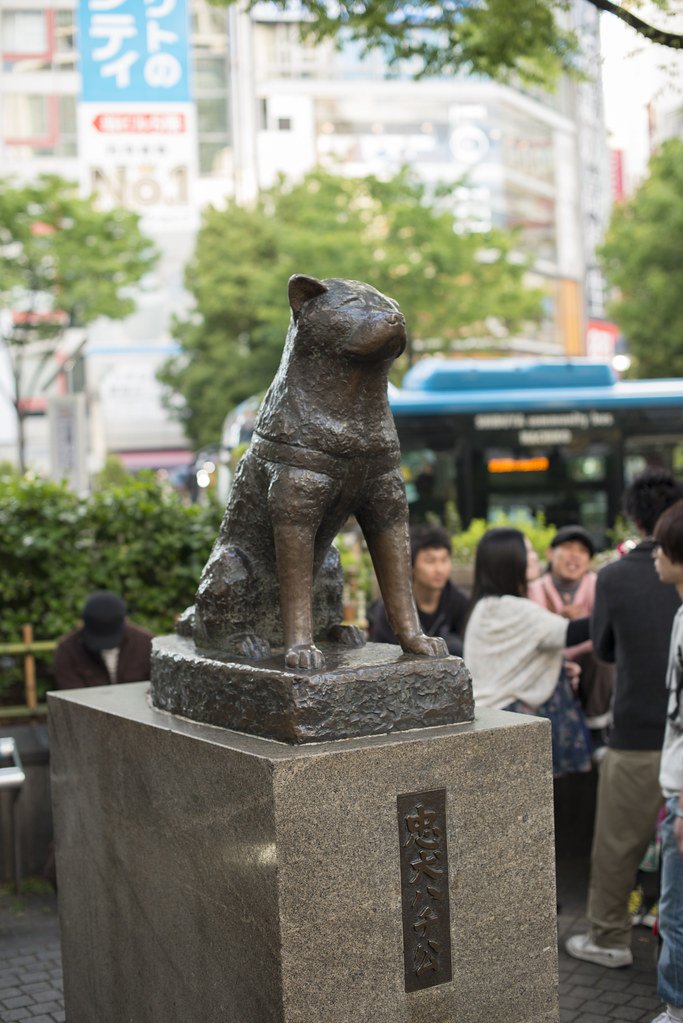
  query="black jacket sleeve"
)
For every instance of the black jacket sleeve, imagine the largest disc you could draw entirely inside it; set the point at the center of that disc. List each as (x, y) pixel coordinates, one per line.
(67, 669)
(578, 631)
(450, 618)
(380, 631)
(602, 631)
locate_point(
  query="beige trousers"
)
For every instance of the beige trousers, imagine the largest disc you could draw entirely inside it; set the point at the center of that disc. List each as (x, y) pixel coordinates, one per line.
(628, 801)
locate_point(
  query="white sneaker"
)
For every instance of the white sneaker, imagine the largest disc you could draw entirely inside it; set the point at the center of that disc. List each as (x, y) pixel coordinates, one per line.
(669, 1016)
(580, 946)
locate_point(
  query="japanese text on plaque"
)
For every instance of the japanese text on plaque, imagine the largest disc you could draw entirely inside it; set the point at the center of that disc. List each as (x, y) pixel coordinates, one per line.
(424, 889)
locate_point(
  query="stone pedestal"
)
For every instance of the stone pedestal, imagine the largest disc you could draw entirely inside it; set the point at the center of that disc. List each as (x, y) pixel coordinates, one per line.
(371, 690)
(207, 876)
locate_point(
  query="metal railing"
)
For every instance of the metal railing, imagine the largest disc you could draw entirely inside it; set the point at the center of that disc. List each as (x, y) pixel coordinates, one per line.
(28, 648)
(12, 778)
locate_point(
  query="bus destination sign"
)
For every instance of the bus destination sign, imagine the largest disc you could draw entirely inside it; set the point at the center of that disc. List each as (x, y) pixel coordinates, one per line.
(538, 428)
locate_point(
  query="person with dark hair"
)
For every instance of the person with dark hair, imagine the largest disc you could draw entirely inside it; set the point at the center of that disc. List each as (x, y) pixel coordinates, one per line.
(514, 648)
(668, 535)
(105, 648)
(653, 491)
(631, 624)
(568, 588)
(441, 606)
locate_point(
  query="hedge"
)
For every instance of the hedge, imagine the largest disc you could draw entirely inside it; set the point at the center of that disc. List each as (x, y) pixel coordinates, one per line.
(137, 538)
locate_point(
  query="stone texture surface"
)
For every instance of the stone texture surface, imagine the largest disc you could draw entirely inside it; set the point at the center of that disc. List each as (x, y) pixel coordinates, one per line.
(210, 875)
(167, 879)
(29, 947)
(372, 690)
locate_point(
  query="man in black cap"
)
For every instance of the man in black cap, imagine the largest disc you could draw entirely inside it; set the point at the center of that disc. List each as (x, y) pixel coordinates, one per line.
(105, 649)
(568, 581)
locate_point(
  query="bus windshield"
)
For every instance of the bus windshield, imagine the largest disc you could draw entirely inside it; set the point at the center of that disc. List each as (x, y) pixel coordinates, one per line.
(527, 436)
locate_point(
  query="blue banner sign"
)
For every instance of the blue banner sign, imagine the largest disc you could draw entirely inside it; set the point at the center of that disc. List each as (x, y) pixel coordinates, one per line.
(134, 51)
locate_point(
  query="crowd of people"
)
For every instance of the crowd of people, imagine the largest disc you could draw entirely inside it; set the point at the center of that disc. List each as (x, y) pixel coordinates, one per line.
(600, 655)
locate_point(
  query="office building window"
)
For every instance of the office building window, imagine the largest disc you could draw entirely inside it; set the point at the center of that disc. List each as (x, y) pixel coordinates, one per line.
(39, 125)
(27, 117)
(211, 90)
(24, 33)
(33, 41)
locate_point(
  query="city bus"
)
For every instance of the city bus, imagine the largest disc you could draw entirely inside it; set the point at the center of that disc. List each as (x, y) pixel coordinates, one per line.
(528, 436)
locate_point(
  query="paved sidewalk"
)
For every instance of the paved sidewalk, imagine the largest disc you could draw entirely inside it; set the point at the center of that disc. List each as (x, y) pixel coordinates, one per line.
(595, 994)
(30, 960)
(31, 986)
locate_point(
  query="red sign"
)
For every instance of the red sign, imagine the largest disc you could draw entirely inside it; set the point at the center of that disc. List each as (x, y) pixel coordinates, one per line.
(32, 406)
(601, 339)
(617, 173)
(121, 123)
(33, 319)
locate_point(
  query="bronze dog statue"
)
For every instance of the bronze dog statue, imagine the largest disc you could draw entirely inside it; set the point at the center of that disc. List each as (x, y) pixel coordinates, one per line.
(324, 447)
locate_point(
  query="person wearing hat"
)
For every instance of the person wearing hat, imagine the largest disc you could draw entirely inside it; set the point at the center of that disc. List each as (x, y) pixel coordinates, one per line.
(568, 589)
(631, 625)
(106, 648)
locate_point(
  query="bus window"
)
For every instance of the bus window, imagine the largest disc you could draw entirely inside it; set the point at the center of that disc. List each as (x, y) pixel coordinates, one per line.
(566, 485)
(587, 468)
(430, 481)
(645, 452)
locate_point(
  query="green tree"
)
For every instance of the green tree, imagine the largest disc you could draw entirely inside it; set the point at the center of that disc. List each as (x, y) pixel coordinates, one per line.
(524, 39)
(63, 263)
(643, 258)
(389, 233)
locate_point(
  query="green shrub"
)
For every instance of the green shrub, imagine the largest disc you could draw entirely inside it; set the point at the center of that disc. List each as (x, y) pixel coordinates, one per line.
(113, 473)
(43, 557)
(150, 547)
(136, 538)
(465, 544)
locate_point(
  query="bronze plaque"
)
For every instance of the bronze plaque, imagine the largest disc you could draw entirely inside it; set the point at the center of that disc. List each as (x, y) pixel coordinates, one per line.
(424, 889)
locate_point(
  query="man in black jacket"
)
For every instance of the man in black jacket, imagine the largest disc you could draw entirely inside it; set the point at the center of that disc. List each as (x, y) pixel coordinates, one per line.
(105, 648)
(631, 625)
(441, 605)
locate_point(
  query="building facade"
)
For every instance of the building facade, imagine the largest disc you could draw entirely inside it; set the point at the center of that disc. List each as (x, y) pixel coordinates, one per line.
(264, 102)
(53, 121)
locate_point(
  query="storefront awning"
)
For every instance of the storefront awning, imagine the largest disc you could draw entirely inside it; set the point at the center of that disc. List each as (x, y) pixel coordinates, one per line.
(165, 459)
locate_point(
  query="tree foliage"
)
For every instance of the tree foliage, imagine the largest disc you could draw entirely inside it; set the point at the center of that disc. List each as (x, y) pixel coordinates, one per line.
(388, 233)
(135, 538)
(526, 40)
(63, 263)
(643, 258)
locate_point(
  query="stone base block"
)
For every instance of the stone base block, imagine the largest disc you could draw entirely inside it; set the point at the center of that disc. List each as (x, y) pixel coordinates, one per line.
(371, 690)
(207, 876)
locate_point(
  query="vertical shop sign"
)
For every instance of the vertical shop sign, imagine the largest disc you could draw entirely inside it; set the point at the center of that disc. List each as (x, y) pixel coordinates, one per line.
(137, 129)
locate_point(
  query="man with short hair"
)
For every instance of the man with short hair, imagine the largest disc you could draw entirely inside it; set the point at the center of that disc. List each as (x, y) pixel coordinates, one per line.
(105, 648)
(669, 568)
(631, 625)
(441, 606)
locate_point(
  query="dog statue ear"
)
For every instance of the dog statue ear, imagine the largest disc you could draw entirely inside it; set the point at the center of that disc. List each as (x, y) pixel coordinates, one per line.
(301, 289)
